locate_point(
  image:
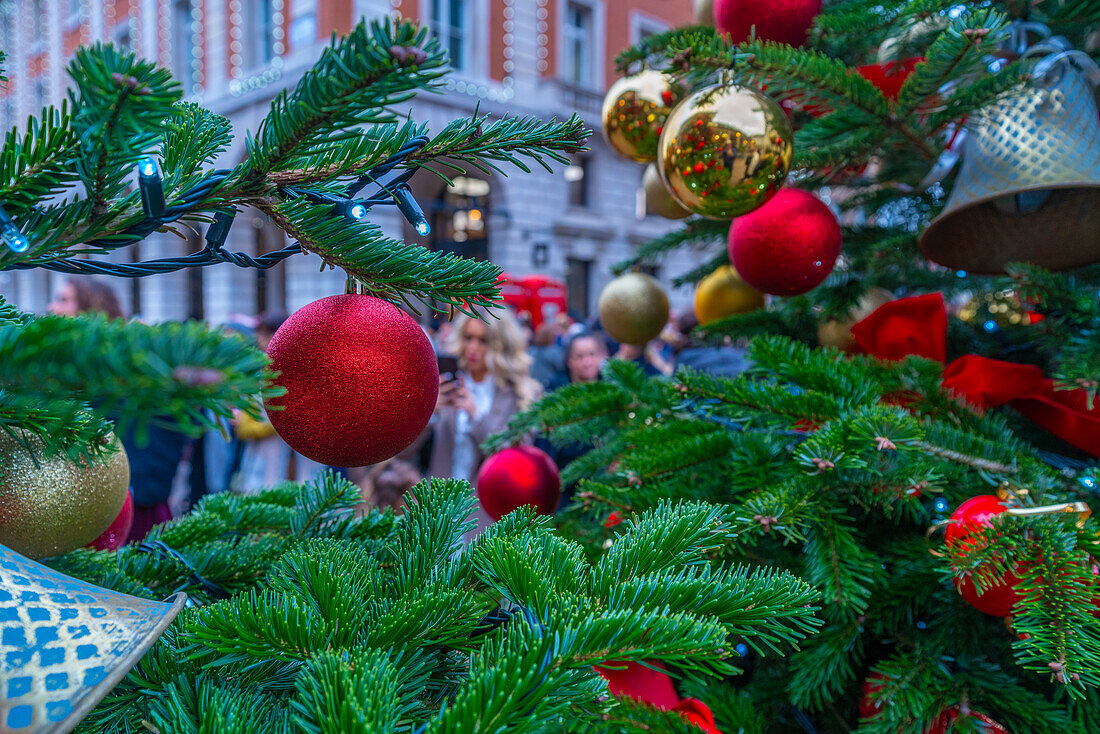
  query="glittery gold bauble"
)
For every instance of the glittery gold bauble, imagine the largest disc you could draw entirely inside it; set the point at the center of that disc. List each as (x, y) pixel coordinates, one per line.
(657, 199)
(634, 113)
(725, 151)
(725, 293)
(633, 308)
(57, 505)
(704, 12)
(838, 333)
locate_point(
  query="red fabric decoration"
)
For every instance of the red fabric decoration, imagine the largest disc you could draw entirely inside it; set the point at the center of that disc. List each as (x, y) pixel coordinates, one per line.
(118, 532)
(361, 380)
(518, 476)
(782, 21)
(889, 77)
(918, 326)
(986, 383)
(651, 684)
(907, 326)
(786, 247)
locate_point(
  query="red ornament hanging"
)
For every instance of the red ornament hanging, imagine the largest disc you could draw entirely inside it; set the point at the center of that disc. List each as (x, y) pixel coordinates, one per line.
(782, 21)
(787, 246)
(970, 517)
(361, 380)
(868, 706)
(890, 76)
(518, 476)
(114, 537)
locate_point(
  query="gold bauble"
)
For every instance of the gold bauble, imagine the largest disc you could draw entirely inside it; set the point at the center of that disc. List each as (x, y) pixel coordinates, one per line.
(633, 308)
(634, 113)
(704, 12)
(57, 505)
(725, 293)
(838, 333)
(725, 151)
(657, 199)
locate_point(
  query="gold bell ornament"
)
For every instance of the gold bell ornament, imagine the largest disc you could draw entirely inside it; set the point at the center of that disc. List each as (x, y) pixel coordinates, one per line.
(634, 113)
(1029, 187)
(657, 199)
(725, 151)
(725, 293)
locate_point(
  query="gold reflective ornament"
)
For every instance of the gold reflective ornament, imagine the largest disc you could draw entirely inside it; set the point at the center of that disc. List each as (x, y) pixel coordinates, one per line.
(838, 333)
(633, 308)
(725, 151)
(657, 199)
(58, 505)
(725, 293)
(704, 12)
(634, 113)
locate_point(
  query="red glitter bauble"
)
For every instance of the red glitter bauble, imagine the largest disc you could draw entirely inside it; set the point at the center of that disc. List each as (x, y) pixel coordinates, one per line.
(361, 380)
(948, 717)
(114, 537)
(782, 21)
(786, 247)
(512, 478)
(971, 516)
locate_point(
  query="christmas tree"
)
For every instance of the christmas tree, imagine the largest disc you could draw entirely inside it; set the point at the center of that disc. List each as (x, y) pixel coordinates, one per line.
(870, 424)
(305, 613)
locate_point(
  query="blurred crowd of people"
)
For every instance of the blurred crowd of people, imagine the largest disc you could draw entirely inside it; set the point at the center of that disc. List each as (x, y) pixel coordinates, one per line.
(489, 371)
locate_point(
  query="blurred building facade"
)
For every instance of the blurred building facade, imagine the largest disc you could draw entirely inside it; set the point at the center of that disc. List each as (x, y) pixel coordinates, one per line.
(544, 58)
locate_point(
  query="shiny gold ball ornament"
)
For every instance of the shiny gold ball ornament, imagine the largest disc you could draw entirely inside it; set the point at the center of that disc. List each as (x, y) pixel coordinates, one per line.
(725, 293)
(725, 151)
(633, 308)
(703, 12)
(57, 505)
(634, 113)
(657, 199)
(838, 332)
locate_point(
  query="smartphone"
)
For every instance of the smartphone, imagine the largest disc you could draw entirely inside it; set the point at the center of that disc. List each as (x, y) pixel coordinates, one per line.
(448, 367)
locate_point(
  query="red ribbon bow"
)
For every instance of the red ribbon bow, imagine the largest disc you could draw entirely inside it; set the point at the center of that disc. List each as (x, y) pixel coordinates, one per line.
(653, 686)
(918, 326)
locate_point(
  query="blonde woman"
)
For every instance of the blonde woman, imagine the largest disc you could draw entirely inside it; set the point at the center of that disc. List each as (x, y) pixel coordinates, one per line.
(493, 384)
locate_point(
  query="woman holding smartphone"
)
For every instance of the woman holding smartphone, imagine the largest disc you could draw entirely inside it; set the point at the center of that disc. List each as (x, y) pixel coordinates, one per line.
(492, 383)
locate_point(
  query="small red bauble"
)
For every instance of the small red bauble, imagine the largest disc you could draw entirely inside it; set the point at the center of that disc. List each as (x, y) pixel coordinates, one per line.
(786, 247)
(782, 21)
(890, 76)
(868, 706)
(361, 380)
(114, 537)
(971, 516)
(948, 717)
(521, 475)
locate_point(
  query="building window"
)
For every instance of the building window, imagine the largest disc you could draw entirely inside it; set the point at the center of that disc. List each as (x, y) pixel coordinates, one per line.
(7, 31)
(578, 176)
(578, 281)
(303, 28)
(579, 43)
(459, 218)
(122, 38)
(183, 46)
(450, 21)
(73, 18)
(39, 22)
(642, 27)
(260, 33)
